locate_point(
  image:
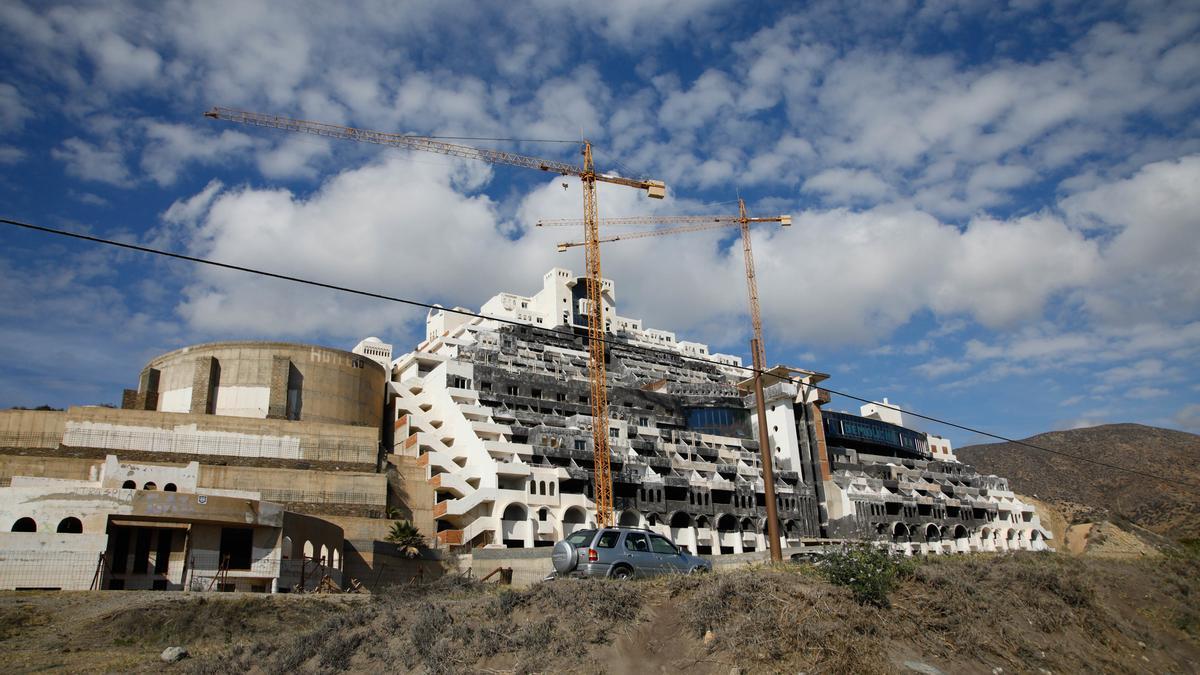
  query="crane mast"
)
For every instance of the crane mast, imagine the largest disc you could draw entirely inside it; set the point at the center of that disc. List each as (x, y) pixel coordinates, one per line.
(602, 474)
(757, 350)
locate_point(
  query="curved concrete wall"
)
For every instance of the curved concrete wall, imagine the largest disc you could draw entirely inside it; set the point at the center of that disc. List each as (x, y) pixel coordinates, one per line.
(271, 380)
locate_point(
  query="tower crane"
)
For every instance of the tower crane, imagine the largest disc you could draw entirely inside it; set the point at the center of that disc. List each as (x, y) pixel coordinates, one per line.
(757, 350)
(602, 472)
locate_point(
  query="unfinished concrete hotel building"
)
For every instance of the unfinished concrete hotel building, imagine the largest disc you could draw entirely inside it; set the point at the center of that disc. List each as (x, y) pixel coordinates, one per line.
(269, 466)
(496, 412)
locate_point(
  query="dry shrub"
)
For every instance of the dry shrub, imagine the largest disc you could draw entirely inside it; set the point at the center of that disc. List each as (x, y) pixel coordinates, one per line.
(776, 618)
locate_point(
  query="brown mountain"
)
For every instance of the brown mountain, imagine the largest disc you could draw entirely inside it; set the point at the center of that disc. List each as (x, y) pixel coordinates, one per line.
(1166, 508)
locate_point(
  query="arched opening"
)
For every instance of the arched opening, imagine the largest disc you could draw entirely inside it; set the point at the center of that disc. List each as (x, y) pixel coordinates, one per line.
(169, 487)
(70, 525)
(960, 532)
(900, 532)
(702, 522)
(747, 525)
(533, 487)
(652, 520)
(932, 534)
(514, 511)
(324, 554)
(543, 514)
(681, 519)
(129, 485)
(25, 525)
(333, 559)
(149, 486)
(287, 548)
(552, 484)
(726, 523)
(542, 488)
(308, 550)
(630, 519)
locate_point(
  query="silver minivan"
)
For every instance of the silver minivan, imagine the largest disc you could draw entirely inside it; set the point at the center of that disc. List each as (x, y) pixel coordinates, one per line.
(622, 553)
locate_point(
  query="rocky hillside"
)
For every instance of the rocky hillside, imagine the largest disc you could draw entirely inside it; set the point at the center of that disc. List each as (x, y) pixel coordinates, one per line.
(1094, 492)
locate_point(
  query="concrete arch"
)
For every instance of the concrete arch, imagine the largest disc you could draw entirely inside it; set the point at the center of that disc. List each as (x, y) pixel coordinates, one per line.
(681, 519)
(630, 518)
(324, 556)
(129, 485)
(932, 534)
(702, 522)
(25, 524)
(308, 550)
(170, 487)
(70, 525)
(515, 511)
(286, 549)
(747, 525)
(900, 532)
(574, 518)
(333, 559)
(150, 486)
(727, 522)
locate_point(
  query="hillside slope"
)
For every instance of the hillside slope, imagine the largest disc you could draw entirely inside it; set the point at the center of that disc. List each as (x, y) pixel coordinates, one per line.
(980, 614)
(1167, 509)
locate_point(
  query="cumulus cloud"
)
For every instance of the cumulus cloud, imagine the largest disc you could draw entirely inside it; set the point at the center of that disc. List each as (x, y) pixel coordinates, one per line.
(92, 162)
(843, 186)
(171, 147)
(1150, 261)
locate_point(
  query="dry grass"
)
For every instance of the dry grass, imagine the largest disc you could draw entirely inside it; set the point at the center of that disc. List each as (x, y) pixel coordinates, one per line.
(963, 614)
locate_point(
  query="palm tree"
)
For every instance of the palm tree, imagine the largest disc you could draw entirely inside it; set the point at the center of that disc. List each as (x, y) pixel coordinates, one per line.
(406, 536)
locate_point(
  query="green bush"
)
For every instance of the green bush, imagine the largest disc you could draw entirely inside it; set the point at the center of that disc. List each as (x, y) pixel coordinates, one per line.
(870, 572)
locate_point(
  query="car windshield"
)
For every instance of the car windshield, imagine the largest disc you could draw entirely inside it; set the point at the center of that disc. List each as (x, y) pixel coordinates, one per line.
(580, 538)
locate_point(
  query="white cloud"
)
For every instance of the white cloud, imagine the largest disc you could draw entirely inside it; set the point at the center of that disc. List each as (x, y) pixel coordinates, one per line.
(843, 186)
(103, 164)
(10, 154)
(1188, 417)
(171, 147)
(942, 366)
(13, 111)
(1151, 269)
(1003, 271)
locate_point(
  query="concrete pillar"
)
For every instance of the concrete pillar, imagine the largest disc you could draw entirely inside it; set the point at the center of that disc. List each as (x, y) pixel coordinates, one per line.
(277, 404)
(147, 396)
(206, 377)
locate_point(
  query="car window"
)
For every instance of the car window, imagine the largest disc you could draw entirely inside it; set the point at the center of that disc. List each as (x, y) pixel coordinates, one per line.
(661, 545)
(608, 539)
(636, 541)
(580, 538)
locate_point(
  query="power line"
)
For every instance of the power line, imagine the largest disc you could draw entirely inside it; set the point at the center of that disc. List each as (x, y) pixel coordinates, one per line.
(606, 340)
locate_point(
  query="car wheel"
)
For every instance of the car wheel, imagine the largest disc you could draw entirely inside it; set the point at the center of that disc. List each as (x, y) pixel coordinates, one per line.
(622, 573)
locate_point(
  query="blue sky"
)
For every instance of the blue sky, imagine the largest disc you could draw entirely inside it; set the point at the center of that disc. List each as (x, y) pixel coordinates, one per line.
(995, 206)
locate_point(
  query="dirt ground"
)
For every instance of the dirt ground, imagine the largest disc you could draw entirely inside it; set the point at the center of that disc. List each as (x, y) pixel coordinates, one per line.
(1031, 613)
